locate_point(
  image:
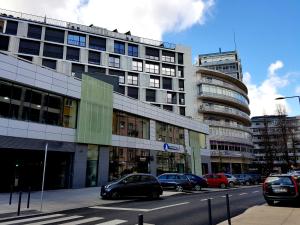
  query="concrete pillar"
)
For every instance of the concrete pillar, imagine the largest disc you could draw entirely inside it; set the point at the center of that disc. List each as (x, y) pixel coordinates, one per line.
(230, 168)
(153, 163)
(103, 165)
(79, 166)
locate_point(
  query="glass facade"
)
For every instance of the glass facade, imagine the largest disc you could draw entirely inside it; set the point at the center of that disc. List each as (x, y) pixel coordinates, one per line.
(130, 125)
(169, 133)
(170, 162)
(223, 91)
(123, 161)
(28, 104)
(92, 166)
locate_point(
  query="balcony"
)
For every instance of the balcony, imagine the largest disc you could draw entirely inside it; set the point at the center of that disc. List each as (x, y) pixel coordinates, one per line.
(227, 111)
(228, 125)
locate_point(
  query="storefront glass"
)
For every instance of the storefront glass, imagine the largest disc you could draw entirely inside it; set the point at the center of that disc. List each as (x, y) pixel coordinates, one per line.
(169, 133)
(92, 165)
(170, 162)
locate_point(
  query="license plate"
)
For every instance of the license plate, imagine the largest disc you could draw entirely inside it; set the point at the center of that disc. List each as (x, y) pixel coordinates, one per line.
(279, 190)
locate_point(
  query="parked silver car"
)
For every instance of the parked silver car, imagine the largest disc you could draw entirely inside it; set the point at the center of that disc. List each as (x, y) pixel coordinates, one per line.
(232, 180)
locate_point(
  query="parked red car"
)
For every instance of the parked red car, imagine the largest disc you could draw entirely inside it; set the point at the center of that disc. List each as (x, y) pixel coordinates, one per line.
(216, 180)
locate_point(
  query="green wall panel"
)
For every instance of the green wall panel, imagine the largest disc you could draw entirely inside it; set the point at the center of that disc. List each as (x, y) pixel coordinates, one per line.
(95, 112)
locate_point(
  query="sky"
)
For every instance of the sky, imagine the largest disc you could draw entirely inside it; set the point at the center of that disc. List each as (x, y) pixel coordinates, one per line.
(267, 35)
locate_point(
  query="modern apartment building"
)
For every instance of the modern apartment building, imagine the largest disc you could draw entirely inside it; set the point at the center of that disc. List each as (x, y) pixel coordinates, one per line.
(92, 134)
(221, 102)
(269, 135)
(148, 70)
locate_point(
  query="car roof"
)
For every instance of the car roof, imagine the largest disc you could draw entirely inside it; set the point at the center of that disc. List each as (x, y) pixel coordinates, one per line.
(172, 174)
(144, 174)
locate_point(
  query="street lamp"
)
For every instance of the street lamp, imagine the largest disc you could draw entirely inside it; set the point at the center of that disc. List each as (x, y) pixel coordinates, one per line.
(296, 96)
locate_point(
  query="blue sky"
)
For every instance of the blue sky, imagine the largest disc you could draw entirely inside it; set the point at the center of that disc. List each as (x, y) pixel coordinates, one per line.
(267, 34)
(266, 31)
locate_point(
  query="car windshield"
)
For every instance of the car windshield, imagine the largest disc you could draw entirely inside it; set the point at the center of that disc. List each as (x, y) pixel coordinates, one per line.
(279, 181)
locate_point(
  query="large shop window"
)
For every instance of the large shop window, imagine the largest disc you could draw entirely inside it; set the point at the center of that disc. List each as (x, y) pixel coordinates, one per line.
(27, 104)
(126, 124)
(169, 133)
(170, 162)
(124, 161)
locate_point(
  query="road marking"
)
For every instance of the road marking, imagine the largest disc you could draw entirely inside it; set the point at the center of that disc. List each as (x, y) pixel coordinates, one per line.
(202, 200)
(243, 193)
(117, 208)
(55, 220)
(92, 219)
(255, 191)
(113, 222)
(31, 219)
(224, 196)
(168, 206)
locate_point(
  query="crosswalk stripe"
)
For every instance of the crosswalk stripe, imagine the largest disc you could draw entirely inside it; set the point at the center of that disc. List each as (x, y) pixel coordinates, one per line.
(55, 220)
(31, 219)
(113, 222)
(83, 221)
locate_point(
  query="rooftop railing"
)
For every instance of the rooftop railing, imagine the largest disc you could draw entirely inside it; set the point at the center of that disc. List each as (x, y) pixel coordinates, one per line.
(89, 29)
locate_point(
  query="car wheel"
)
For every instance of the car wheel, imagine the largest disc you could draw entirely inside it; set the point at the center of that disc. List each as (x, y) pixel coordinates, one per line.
(155, 195)
(115, 195)
(179, 188)
(231, 184)
(197, 187)
(270, 202)
(247, 183)
(222, 185)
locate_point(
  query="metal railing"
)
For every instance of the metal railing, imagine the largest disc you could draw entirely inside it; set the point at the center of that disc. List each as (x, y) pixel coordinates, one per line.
(88, 29)
(229, 125)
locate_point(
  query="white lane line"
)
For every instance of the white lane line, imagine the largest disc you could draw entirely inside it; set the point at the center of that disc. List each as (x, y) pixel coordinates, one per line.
(112, 222)
(202, 200)
(121, 209)
(92, 219)
(55, 220)
(168, 206)
(224, 196)
(255, 191)
(31, 219)
(243, 193)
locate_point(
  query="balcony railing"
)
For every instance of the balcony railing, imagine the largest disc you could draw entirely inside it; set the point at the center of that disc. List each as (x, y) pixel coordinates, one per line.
(88, 29)
(223, 109)
(233, 154)
(228, 125)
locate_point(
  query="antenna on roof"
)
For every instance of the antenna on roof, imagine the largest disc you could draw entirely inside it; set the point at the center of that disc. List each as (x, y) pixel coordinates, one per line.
(234, 40)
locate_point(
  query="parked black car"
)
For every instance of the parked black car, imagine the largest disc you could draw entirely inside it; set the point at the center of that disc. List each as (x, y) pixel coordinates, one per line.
(197, 181)
(137, 184)
(281, 188)
(244, 179)
(177, 181)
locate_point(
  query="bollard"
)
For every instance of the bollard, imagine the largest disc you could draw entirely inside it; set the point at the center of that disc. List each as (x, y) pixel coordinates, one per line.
(10, 195)
(141, 219)
(228, 210)
(28, 197)
(19, 203)
(209, 212)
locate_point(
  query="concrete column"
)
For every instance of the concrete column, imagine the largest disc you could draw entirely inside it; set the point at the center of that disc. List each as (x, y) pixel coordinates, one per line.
(103, 165)
(79, 166)
(153, 163)
(230, 168)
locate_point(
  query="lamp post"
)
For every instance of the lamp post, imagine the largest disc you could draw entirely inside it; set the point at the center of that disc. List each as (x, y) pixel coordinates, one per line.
(296, 96)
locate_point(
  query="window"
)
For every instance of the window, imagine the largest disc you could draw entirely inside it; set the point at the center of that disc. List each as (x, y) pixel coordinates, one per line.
(182, 111)
(169, 133)
(152, 68)
(49, 63)
(11, 27)
(97, 43)
(4, 42)
(2, 22)
(133, 92)
(26, 57)
(181, 99)
(53, 51)
(168, 70)
(54, 35)
(154, 82)
(121, 90)
(168, 56)
(29, 47)
(181, 85)
(180, 71)
(120, 74)
(119, 47)
(167, 83)
(96, 70)
(34, 31)
(73, 54)
(114, 61)
(133, 50)
(132, 79)
(152, 53)
(94, 57)
(168, 107)
(77, 70)
(180, 58)
(171, 98)
(150, 95)
(137, 65)
(76, 39)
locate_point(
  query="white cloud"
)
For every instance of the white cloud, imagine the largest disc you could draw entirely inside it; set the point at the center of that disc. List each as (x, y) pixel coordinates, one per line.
(262, 97)
(146, 18)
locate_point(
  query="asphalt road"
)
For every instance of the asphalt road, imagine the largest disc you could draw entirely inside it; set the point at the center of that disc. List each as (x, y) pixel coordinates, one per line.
(183, 209)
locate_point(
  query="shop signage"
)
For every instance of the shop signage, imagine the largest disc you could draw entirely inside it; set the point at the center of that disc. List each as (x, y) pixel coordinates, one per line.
(170, 147)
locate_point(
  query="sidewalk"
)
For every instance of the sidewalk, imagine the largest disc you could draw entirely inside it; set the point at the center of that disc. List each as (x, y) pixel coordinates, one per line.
(56, 200)
(267, 215)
